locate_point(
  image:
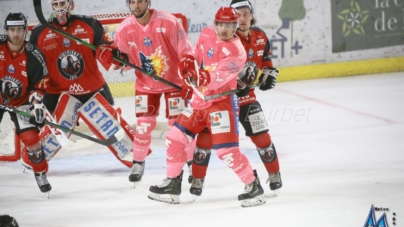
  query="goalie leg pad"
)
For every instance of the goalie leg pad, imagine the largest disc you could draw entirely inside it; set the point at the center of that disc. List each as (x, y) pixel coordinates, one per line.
(142, 139)
(66, 115)
(104, 121)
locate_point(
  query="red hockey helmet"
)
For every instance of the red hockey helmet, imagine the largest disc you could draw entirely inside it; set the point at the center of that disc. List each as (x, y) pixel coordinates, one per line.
(226, 15)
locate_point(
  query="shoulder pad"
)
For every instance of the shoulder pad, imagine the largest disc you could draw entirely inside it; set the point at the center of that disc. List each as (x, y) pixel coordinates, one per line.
(29, 47)
(3, 37)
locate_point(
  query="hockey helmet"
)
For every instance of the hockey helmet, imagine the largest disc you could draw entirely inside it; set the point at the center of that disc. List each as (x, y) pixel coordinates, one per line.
(15, 19)
(237, 4)
(226, 15)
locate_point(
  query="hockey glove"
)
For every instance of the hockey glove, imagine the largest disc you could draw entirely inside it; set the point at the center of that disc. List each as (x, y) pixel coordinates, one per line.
(105, 54)
(37, 109)
(187, 63)
(242, 88)
(268, 78)
(197, 78)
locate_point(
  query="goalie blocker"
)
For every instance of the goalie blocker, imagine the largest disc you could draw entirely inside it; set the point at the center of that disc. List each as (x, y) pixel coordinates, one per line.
(102, 119)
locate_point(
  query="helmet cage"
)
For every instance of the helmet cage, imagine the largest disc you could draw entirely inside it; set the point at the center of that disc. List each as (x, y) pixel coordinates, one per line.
(61, 11)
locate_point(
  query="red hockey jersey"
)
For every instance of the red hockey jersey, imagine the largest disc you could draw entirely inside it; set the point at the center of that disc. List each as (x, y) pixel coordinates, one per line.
(259, 56)
(20, 73)
(72, 66)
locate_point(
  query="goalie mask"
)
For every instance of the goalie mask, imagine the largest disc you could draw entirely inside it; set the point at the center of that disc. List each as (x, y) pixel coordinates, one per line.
(226, 22)
(61, 9)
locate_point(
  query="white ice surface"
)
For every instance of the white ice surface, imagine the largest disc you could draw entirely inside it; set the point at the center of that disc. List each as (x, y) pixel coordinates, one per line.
(340, 144)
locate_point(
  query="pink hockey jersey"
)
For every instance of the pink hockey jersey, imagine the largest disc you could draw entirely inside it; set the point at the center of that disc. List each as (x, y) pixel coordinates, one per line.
(223, 59)
(156, 48)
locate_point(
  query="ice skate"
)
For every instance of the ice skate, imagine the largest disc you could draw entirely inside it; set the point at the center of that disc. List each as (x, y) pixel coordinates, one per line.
(253, 194)
(137, 172)
(43, 183)
(170, 188)
(196, 187)
(275, 182)
(190, 177)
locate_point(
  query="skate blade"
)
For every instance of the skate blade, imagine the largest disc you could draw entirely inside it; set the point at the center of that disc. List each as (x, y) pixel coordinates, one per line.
(173, 199)
(277, 192)
(259, 200)
(136, 184)
(47, 195)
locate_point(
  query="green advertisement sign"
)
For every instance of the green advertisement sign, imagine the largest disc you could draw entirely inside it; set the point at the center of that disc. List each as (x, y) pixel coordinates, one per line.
(366, 24)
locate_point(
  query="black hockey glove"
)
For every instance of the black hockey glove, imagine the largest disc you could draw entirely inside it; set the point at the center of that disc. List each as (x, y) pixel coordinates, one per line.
(38, 111)
(268, 78)
(243, 88)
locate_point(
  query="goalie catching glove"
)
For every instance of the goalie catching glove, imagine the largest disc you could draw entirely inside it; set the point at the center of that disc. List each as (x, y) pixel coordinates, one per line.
(268, 78)
(105, 54)
(37, 109)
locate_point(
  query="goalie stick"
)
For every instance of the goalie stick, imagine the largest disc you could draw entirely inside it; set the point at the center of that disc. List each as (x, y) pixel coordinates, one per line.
(42, 20)
(106, 142)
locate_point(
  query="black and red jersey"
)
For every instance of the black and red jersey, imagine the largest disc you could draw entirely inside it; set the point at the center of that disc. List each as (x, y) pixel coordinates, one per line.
(20, 73)
(72, 66)
(258, 51)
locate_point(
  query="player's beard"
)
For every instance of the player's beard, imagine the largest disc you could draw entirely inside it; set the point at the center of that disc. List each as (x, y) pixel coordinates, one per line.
(142, 14)
(16, 41)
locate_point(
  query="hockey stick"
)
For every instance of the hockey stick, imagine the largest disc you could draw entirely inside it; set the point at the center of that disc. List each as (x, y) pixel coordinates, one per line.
(42, 20)
(106, 142)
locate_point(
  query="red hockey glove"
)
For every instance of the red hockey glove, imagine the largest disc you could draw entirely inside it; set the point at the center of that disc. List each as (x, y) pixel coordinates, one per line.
(202, 78)
(268, 78)
(105, 54)
(187, 63)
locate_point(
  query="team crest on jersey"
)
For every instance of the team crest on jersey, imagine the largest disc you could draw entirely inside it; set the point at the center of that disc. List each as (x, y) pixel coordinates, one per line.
(10, 88)
(66, 42)
(250, 53)
(11, 69)
(156, 63)
(210, 52)
(249, 73)
(70, 64)
(147, 42)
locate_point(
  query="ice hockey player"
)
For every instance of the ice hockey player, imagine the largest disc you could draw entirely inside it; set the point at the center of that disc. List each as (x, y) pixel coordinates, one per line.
(154, 40)
(219, 50)
(23, 77)
(77, 88)
(258, 69)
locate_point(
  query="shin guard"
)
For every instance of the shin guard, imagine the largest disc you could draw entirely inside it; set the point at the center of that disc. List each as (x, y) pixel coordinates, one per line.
(238, 162)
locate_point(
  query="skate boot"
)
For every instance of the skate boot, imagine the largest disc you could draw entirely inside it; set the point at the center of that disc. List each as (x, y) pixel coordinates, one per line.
(275, 182)
(137, 171)
(197, 186)
(190, 177)
(171, 187)
(253, 193)
(42, 182)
